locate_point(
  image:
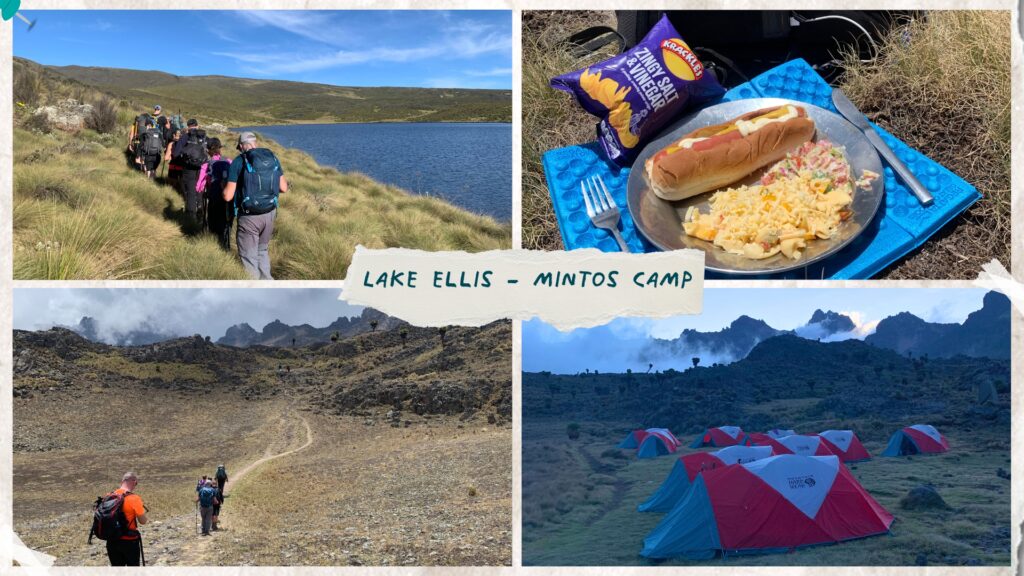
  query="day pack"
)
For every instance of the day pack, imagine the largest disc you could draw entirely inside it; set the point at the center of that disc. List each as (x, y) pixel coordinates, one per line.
(152, 142)
(206, 496)
(108, 519)
(260, 182)
(193, 154)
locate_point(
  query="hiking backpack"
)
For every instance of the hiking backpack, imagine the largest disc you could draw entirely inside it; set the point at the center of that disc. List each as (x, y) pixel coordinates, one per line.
(207, 496)
(108, 519)
(193, 154)
(140, 123)
(177, 122)
(260, 182)
(152, 142)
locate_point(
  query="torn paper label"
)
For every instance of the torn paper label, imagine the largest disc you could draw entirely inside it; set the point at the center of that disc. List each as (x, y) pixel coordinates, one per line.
(568, 290)
(993, 276)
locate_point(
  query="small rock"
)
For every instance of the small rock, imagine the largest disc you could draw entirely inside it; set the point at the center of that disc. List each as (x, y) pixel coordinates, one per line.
(923, 497)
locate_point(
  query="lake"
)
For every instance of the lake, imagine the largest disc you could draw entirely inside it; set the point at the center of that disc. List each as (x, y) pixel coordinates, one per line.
(467, 164)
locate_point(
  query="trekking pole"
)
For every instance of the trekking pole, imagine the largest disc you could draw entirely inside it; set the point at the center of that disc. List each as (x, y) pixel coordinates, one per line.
(197, 518)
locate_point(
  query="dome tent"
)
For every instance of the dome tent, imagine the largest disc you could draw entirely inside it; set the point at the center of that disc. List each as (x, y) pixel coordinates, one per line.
(916, 439)
(659, 442)
(846, 445)
(651, 442)
(687, 467)
(720, 436)
(770, 505)
(806, 445)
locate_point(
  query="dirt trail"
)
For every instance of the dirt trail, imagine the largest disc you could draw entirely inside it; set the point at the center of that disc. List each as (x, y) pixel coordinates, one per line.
(619, 489)
(267, 458)
(179, 544)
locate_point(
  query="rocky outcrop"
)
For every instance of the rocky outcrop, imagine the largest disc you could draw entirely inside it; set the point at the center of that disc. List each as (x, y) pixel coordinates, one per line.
(67, 114)
(984, 334)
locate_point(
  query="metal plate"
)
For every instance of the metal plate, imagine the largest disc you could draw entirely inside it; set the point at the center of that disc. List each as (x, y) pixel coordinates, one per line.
(661, 221)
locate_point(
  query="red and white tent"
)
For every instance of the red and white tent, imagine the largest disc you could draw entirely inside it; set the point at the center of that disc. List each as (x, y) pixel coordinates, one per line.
(806, 445)
(651, 442)
(916, 439)
(762, 439)
(687, 467)
(720, 437)
(770, 505)
(779, 433)
(846, 445)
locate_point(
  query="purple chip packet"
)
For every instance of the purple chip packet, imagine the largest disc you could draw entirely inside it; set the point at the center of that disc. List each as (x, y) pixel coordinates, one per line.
(638, 92)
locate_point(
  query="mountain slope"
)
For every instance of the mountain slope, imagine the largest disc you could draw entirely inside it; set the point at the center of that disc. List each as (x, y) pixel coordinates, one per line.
(278, 333)
(985, 333)
(726, 345)
(242, 101)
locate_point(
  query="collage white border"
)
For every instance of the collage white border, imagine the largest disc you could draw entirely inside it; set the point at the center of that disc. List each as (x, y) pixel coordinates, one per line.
(6, 285)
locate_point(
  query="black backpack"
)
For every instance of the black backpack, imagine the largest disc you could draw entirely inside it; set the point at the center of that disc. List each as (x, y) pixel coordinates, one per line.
(152, 142)
(140, 123)
(193, 154)
(260, 182)
(108, 519)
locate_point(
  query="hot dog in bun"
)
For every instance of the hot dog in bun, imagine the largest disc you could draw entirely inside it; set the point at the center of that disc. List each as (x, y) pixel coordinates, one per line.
(714, 156)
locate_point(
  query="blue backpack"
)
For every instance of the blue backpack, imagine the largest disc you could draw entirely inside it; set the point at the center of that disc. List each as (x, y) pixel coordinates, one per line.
(206, 496)
(259, 183)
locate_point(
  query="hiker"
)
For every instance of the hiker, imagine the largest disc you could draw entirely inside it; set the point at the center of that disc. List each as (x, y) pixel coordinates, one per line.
(135, 134)
(151, 147)
(126, 549)
(207, 498)
(222, 479)
(254, 182)
(190, 151)
(201, 483)
(173, 165)
(219, 214)
(216, 507)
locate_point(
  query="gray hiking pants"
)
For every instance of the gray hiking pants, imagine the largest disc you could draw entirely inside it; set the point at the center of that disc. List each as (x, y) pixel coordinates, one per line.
(206, 513)
(252, 237)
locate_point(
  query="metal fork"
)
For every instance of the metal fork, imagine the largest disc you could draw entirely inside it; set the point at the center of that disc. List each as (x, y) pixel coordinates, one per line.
(601, 207)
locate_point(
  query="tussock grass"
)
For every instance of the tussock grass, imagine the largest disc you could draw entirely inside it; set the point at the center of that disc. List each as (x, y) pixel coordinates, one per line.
(81, 213)
(942, 85)
(551, 118)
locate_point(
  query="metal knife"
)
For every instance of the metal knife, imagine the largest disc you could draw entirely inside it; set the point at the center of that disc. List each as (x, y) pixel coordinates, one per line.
(857, 118)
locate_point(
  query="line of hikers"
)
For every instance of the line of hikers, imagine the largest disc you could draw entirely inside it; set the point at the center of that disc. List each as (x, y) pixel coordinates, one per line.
(209, 497)
(218, 191)
(118, 515)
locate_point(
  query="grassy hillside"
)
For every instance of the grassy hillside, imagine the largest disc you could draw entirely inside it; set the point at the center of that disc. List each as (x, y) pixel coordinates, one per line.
(241, 101)
(421, 479)
(580, 497)
(81, 213)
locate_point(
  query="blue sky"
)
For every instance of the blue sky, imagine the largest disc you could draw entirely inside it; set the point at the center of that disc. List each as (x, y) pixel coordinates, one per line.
(446, 49)
(546, 348)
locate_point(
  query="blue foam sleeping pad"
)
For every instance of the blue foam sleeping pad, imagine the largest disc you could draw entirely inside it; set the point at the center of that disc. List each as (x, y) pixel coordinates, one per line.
(900, 226)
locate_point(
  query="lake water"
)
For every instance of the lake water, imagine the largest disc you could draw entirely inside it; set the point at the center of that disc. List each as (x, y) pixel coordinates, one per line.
(467, 164)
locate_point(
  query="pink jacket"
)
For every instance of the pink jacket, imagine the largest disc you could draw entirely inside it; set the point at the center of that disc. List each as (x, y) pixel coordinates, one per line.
(204, 174)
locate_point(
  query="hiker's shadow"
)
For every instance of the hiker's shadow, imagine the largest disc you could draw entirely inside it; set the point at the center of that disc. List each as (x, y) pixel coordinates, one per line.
(189, 226)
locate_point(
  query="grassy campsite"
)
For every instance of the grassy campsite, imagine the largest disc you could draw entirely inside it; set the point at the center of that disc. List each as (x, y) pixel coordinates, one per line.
(80, 211)
(581, 492)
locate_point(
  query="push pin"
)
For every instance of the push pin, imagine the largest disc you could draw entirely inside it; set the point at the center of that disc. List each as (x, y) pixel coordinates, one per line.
(10, 10)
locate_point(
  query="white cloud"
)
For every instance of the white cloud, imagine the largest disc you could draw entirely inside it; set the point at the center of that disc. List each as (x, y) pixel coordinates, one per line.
(491, 72)
(456, 40)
